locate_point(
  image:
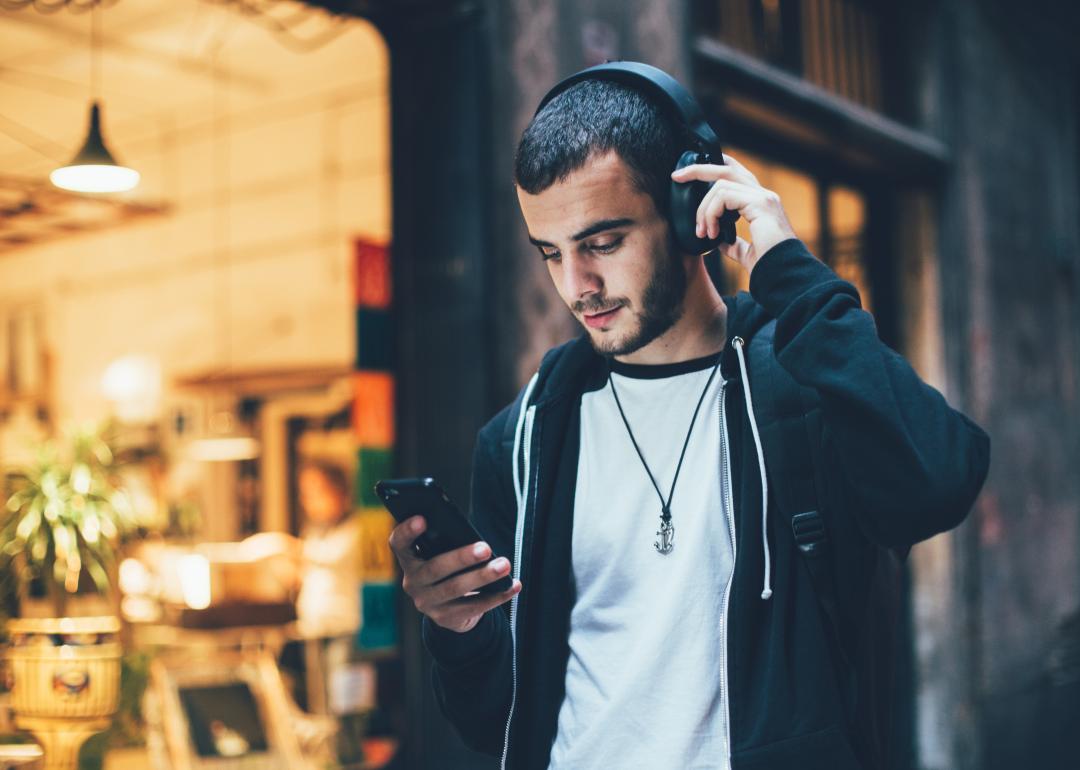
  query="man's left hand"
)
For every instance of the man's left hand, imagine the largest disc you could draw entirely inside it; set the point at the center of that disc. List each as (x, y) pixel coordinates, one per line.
(734, 187)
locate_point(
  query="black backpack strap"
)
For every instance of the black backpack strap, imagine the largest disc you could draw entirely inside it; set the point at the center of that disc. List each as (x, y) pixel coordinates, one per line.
(790, 425)
(789, 421)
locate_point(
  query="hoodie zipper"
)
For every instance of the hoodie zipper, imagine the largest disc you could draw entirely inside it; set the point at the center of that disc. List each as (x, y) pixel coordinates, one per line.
(730, 514)
(519, 535)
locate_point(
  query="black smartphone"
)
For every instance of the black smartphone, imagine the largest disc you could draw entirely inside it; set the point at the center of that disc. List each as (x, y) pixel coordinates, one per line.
(447, 527)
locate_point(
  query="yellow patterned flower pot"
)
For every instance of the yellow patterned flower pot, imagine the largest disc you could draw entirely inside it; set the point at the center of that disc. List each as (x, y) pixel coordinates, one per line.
(65, 681)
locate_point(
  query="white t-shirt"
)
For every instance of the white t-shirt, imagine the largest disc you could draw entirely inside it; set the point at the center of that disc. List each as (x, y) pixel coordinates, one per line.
(643, 678)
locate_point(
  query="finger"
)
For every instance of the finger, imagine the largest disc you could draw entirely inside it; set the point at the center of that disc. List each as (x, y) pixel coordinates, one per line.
(457, 587)
(715, 211)
(737, 251)
(710, 172)
(730, 161)
(437, 568)
(701, 172)
(703, 207)
(462, 609)
(402, 538)
(729, 196)
(735, 195)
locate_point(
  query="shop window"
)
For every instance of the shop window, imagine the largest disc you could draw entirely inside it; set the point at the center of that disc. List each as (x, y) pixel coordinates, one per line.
(846, 211)
(833, 43)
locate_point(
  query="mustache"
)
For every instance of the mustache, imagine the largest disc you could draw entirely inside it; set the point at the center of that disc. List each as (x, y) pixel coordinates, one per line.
(597, 306)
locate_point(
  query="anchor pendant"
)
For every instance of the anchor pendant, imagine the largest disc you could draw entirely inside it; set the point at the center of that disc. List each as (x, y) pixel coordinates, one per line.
(667, 537)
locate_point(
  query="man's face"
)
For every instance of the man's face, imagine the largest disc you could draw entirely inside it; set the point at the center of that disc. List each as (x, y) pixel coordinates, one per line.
(607, 248)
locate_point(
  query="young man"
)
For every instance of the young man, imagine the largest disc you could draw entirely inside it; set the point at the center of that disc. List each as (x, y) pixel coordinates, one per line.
(661, 615)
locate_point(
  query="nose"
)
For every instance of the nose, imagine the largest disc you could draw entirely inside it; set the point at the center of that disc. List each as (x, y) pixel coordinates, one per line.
(579, 279)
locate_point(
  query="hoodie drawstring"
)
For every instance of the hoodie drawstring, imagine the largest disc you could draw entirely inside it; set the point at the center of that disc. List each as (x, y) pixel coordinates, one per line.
(738, 342)
(519, 483)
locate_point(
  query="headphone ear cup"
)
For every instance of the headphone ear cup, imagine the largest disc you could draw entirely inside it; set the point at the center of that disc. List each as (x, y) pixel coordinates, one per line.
(685, 199)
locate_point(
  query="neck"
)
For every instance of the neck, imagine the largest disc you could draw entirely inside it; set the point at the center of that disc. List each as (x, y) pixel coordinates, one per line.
(700, 331)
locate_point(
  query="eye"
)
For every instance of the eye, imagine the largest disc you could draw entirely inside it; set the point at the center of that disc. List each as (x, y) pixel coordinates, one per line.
(607, 247)
(554, 254)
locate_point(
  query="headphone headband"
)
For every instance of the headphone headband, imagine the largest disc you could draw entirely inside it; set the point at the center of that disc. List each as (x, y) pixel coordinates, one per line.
(703, 145)
(666, 91)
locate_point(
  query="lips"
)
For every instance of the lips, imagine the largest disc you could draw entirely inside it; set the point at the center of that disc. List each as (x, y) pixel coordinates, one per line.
(600, 319)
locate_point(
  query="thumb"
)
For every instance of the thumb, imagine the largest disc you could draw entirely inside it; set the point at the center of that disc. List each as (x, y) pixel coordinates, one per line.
(737, 251)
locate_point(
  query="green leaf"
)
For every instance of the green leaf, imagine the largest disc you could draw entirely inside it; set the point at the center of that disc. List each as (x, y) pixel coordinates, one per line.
(50, 484)
(98, 574)
(81, 478)
(90, 526)
(39, 549)
(15, 502)
(74, 557)
(30, 522)
(53, 509)
(63, 544)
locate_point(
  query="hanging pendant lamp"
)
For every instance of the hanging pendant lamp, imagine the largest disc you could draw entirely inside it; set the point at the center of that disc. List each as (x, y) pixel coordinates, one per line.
(94, 169)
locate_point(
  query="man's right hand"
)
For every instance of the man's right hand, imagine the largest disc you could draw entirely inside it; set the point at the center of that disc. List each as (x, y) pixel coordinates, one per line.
(447, 603)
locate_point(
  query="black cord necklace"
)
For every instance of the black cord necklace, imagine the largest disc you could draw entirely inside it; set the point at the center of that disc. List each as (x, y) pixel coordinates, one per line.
(666, 532)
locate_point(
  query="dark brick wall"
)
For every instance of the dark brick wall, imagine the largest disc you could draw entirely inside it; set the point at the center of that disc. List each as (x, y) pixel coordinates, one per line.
(1006, 104)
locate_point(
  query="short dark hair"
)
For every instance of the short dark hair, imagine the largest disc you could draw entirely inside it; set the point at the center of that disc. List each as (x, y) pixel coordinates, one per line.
(593, 117)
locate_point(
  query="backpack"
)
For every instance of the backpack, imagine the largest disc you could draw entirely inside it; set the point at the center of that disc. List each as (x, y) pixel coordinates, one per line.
(789, 417)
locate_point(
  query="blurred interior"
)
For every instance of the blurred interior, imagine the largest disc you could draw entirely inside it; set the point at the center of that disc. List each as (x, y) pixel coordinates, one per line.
(211, 315)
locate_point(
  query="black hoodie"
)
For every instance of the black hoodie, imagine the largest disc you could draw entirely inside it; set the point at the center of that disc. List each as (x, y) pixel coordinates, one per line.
(902, 466)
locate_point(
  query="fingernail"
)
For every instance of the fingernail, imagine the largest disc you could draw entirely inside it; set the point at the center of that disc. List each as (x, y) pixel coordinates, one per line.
(415, 525)
(499, 563)
(480, 550)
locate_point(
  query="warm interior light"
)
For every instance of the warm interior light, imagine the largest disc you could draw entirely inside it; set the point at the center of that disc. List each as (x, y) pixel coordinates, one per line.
(95, 179)
(195, 581)
(224, 448)
(223, 441)
(133, 385)
(135, 578)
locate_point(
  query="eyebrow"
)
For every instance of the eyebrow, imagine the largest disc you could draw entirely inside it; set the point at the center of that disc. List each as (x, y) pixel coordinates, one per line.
(593, 229)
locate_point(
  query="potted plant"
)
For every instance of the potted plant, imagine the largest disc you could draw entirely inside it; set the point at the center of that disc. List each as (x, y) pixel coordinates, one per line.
(60, 531)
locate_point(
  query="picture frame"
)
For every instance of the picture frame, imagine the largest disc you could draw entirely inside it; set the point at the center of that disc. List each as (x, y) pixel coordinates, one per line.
(228, 712)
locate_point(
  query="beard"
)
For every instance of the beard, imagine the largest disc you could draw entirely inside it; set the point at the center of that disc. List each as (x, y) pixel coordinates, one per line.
(661, 308)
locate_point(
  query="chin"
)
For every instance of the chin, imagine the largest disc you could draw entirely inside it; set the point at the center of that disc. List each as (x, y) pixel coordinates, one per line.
(613, 342)
(608, 342)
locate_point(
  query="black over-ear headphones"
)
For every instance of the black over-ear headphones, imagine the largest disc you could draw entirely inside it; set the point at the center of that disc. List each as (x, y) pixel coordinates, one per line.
(667, 93)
